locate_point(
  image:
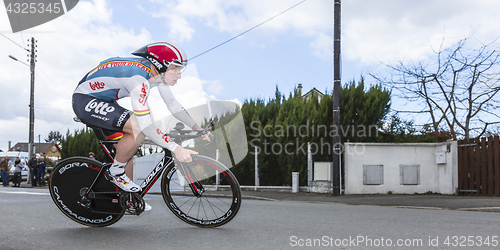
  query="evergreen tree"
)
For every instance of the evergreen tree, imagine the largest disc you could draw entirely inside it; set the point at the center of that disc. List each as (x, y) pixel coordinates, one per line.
(80, 143)
(54, 136)
(362, 112)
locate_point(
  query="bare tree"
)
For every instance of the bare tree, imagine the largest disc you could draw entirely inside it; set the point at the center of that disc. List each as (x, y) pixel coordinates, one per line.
(458, 87)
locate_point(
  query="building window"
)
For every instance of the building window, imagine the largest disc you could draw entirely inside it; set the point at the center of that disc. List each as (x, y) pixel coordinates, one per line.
(409, 174)
(373, 174)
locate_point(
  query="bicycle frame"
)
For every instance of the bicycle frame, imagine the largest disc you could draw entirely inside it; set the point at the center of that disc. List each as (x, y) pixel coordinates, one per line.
(156, 172)
(166, 161)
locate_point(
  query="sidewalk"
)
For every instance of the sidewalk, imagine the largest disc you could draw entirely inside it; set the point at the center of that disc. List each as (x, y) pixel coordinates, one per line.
(25, 185)
(419, 201)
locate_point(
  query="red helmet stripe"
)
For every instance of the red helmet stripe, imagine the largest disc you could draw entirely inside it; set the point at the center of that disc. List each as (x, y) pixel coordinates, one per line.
(161, 54)
(177, 52)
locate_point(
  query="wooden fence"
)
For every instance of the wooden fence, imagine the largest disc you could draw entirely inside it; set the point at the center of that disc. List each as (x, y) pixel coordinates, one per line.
(479, 166)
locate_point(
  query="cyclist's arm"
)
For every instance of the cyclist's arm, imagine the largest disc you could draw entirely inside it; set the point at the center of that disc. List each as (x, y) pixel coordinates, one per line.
(139, 95)
(175, 107)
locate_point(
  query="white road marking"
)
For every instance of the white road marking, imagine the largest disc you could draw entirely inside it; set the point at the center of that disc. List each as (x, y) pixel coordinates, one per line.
(22, 192)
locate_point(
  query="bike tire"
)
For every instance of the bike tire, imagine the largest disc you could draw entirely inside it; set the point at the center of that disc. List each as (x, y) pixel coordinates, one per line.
(73, 176)
(218, 205)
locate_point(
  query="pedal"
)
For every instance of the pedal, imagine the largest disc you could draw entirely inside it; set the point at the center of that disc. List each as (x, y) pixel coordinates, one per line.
(107, 175)
(132, 203)
(84, 200)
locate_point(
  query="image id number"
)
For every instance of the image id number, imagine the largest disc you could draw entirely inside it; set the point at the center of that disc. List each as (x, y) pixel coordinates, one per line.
(32, 8)
(471, 241)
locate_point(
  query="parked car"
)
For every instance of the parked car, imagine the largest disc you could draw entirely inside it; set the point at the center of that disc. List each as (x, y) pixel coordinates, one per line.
(23, 156)
(24, 172)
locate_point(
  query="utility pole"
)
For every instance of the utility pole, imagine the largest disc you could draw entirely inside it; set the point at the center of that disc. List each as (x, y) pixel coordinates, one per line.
(31, 145)
(336, 101)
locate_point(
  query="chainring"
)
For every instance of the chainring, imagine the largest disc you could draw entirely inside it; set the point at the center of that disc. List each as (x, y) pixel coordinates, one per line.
(132, 203)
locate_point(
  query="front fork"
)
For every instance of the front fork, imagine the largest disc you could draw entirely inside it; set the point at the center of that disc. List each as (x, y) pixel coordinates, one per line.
(193, 183)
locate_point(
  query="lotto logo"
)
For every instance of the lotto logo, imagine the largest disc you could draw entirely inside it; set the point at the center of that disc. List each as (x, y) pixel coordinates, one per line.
(28, 14)
(99, 107)
(96, 85)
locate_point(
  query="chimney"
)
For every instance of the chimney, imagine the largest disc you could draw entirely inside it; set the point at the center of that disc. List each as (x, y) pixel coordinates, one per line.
(300, 88)
(8, 149)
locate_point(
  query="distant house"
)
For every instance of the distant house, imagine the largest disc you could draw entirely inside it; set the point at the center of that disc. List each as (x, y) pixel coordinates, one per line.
(49, 149)
(312, 92)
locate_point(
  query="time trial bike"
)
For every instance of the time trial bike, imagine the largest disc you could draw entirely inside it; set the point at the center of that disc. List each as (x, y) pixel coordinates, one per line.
(203, 193)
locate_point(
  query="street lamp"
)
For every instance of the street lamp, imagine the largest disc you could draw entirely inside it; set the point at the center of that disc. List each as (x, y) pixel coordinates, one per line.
(15, 59)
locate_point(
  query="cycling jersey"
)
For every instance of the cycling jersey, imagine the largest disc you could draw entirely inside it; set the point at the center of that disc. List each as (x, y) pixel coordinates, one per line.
(116, 78)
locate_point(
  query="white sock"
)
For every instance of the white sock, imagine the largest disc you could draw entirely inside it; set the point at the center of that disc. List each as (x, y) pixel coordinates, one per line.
(117, 168)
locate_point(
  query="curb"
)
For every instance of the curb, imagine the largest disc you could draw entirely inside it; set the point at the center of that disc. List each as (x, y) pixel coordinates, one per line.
(481, 209)
(257, 198)
(428, 208)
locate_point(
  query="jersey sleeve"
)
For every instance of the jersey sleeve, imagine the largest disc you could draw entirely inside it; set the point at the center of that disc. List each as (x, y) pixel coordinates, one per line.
(174, 106)
(139, 96)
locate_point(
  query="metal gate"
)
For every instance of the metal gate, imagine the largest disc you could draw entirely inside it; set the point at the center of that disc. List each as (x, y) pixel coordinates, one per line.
(479, 166)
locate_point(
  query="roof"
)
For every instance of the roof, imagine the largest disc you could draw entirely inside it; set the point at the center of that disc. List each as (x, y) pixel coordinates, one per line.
(39, 147)
(313, 91)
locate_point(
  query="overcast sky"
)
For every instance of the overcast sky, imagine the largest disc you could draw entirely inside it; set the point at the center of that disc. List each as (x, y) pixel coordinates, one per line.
(295, 47)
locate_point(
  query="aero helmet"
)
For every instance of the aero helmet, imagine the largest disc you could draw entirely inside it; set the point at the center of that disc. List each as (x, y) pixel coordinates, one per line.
(162, 54)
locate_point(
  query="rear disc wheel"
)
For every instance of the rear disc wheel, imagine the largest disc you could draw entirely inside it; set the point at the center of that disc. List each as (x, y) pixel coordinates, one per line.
(71, 179)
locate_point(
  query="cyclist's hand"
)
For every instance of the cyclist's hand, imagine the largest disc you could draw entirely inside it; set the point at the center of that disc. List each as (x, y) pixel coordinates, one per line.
(198, 128)
(206, 137)
(184, 155)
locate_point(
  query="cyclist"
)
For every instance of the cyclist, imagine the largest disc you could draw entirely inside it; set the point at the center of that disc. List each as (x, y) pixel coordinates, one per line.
(94, 103)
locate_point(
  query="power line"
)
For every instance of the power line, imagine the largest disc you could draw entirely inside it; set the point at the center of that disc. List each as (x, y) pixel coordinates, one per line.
(53, 125)
(412, 111)
(51, 109)
(55, 82)
(14, 42)
(247, 30)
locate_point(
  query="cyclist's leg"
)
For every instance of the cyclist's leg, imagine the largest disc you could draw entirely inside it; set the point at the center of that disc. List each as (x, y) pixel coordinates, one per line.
(110, 116)
(125, 150)
(129, 143)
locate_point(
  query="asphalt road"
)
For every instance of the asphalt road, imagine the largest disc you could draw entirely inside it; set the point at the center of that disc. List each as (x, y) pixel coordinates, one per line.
(30, 220)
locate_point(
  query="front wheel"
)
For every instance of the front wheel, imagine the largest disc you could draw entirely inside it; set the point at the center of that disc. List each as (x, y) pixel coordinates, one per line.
(71, 179)
(215, 206)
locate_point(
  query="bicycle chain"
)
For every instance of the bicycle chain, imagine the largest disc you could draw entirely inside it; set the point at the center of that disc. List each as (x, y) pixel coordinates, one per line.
(118, 197)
